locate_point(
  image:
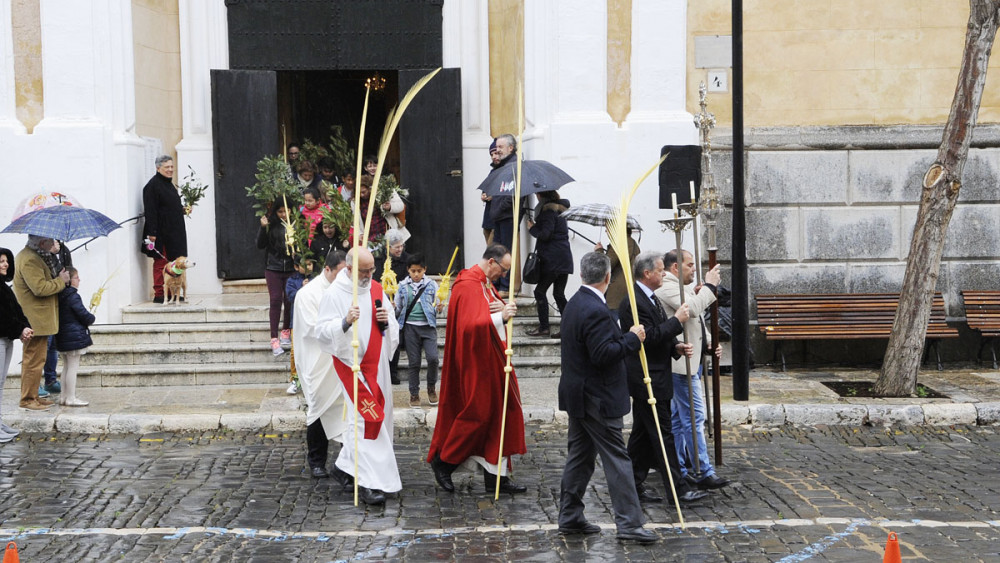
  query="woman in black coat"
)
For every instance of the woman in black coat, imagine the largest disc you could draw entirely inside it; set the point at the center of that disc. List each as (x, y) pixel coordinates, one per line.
(164, 225)
(554, 255)
(13, 326)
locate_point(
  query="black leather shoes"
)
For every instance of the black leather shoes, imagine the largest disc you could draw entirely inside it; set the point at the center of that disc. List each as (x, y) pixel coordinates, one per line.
(442, 474)
(640, 535)
(711, 482)
(586, 528)
(509, 486)
(319, 473)
(506, 484)
(342, 478)
(371, 496)
(647, 495)
(692, 496)
(538, 332)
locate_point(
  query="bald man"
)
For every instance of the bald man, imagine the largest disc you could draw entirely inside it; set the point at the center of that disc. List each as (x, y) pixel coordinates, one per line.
(378, 334)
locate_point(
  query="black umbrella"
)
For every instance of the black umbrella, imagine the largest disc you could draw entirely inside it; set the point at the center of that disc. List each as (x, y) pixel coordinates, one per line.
(536, 176)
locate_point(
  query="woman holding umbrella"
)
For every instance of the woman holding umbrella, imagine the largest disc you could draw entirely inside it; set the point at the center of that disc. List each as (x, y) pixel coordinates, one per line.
(554, 256)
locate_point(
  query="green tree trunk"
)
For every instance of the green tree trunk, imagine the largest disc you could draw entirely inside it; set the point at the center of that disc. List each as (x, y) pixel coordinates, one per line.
(937, 202)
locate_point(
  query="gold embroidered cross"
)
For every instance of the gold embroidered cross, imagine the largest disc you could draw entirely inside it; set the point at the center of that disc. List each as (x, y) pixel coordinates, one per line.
(368, 407)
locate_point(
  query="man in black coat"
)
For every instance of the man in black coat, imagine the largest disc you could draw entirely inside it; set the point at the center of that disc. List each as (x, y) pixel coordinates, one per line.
(593, 390)
(661, 346)
(164, 225)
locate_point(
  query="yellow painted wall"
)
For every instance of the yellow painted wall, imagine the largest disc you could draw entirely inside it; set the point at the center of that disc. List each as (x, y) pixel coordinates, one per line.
(506, 40)
(156, 41)
(27, 36)
(841, 62)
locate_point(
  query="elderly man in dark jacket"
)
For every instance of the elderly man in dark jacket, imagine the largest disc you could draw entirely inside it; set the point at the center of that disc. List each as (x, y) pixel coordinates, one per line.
(593, 390)
(164, 225)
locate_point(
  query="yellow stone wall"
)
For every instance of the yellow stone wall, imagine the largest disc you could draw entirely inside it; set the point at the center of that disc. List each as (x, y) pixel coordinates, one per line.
(156, 41)
(27, 36)
(506, 40)
(841, 62)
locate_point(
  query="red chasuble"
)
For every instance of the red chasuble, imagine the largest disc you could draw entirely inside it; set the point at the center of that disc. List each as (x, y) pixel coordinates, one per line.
(372, 401)
(472, 378)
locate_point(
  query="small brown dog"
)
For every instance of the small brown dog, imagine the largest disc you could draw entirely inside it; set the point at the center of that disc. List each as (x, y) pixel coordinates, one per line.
(175, 279)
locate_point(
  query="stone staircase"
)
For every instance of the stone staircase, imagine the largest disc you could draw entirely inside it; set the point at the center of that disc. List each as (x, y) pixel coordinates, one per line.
(224, 340)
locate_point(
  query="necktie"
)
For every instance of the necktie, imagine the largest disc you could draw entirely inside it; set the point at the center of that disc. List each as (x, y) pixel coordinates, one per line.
(659, 308)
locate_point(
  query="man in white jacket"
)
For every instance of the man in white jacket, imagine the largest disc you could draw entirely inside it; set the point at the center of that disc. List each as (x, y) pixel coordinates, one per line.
(698, 302)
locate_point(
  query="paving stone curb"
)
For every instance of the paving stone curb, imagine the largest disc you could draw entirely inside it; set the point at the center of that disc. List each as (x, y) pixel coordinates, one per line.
(757, 415)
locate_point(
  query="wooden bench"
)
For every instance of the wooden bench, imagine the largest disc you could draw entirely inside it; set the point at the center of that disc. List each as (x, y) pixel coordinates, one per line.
(982, 313)
(840, 316)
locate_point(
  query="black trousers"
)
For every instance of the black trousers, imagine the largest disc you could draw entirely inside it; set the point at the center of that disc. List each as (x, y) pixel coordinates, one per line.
(643, 442)
(588, 437)
(558, 284)
(317, 444)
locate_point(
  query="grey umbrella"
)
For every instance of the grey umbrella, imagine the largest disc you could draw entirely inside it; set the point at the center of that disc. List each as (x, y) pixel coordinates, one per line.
(536, 176)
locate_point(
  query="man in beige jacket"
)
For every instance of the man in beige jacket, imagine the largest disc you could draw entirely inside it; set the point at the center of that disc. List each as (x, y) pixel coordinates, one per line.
(697, 302)
(37, 289)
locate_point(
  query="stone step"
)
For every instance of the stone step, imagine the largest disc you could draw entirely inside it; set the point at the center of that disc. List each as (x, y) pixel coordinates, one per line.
(170, 354)
(273, 373)
(152, 313)
(249, 307)
(245, 286)
(179, 333)
(165, 354)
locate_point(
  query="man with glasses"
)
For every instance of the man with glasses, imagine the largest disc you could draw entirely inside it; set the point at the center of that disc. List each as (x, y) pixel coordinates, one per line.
(378, 333)
(472, 381)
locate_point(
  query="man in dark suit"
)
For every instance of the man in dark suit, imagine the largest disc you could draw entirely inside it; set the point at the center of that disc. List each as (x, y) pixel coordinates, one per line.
(661, 346)
(593, 390)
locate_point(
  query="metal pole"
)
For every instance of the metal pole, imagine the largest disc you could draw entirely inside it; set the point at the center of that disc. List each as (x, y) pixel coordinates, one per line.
(741, 297)
(687, 360)
(710, 208)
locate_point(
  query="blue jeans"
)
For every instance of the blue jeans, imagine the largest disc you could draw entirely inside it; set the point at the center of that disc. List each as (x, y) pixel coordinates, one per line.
(680, 422)
(51, 362)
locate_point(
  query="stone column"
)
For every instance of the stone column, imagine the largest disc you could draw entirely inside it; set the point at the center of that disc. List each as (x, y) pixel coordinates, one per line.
(204, 46)
(576, 75)
(8, 103)
(466, 46)
(659, 50)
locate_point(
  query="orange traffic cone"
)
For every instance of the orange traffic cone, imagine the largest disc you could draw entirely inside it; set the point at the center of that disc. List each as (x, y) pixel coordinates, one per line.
(10, 554)
(891, 550)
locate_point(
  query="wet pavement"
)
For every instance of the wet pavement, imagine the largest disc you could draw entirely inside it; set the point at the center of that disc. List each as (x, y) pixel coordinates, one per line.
(799, 494)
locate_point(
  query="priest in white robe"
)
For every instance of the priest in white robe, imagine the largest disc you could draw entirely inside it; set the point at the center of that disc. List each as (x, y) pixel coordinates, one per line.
(322, 388)
(378, 334)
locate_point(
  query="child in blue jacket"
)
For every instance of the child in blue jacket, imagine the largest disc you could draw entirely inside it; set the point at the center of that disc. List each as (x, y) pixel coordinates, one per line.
(73, 338)
(418, 327)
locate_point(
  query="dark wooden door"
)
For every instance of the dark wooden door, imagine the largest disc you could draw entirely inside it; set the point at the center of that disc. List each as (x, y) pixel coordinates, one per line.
(244, 130)
(430, 162)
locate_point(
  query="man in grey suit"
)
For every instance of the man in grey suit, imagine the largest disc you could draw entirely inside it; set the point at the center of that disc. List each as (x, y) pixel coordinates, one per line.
(593, 390)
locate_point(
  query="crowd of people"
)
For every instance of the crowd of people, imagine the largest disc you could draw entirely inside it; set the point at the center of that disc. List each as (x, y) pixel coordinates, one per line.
(347, 347)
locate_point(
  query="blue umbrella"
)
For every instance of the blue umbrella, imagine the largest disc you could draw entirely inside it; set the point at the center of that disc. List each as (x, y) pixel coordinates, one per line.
(63, 223)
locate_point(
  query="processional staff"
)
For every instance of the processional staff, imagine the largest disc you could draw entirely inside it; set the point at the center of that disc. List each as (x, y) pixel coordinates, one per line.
(710, 207)
(677, 225)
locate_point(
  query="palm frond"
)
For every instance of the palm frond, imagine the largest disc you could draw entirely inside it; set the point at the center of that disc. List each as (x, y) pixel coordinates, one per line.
(391, 122)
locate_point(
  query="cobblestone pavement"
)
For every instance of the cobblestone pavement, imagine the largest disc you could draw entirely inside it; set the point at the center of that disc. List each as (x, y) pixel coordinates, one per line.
(823, 494)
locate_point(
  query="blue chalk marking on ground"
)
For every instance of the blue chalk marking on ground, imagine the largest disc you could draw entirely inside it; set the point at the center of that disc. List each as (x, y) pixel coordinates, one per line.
(819, 547)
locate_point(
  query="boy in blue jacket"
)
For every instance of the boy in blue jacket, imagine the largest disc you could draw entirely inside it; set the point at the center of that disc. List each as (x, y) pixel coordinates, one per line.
(418, 321)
